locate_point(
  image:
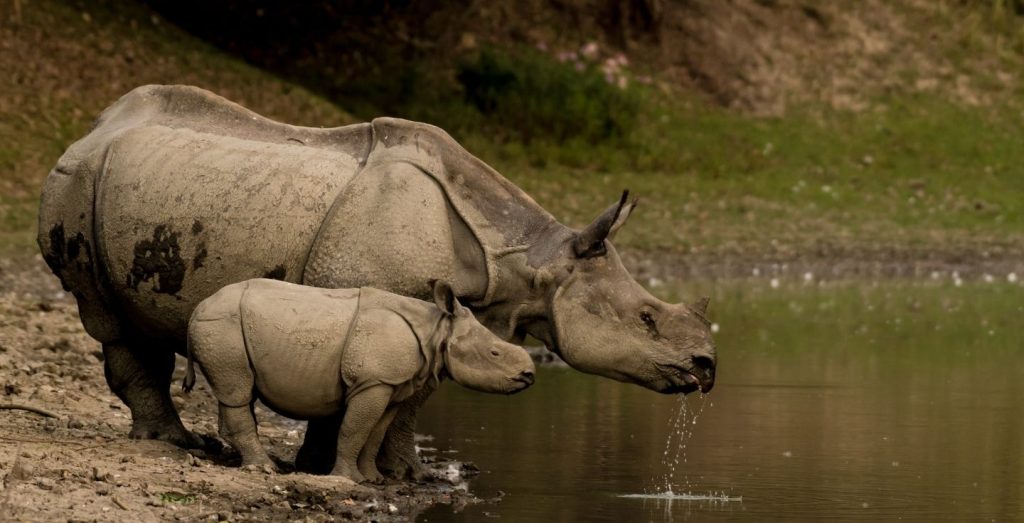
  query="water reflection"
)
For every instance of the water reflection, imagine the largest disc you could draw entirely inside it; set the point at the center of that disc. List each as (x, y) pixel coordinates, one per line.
(844, 402)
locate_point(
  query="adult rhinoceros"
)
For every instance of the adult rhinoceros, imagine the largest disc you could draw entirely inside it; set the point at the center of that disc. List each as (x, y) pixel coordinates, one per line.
(177, 192)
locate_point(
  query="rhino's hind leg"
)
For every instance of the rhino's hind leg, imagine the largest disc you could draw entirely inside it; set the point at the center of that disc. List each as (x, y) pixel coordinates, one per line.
(398, 457)
(141, 377)
(319, 449)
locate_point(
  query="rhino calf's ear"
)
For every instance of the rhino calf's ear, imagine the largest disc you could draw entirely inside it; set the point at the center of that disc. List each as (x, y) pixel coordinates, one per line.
(702, 305)
(444, 297)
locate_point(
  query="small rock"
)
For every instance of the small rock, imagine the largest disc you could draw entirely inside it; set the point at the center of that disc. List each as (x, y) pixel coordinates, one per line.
(98, 475)
(21, 471)
(392, 508)
(46, 483)
(75, 424)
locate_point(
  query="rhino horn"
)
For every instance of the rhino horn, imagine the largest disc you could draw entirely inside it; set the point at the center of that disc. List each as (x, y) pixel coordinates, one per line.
(590, 241)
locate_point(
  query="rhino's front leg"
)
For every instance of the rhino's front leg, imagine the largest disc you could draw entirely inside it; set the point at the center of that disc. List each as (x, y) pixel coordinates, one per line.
(362, 413)
(398, 456)
(368, 456)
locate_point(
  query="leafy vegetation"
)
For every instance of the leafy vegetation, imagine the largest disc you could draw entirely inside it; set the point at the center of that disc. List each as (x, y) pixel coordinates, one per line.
(910, 171)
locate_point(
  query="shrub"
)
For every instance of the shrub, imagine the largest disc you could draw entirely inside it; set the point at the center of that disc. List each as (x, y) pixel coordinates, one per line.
(531, 97)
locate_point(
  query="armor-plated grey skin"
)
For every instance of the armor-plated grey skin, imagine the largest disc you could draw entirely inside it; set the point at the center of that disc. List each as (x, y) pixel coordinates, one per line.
(352, 354)
(177, 192)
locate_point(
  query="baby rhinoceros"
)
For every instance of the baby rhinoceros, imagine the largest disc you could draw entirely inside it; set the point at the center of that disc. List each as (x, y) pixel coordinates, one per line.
(310, 353)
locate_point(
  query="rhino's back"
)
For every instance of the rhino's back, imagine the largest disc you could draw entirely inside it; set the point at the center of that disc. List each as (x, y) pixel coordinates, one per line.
(181, 213)
(177, 192)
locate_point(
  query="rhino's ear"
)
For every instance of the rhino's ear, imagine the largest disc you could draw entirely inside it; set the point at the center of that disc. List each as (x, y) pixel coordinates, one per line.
(627, 209)
(444, 297)
(701, 306)
(590, 241)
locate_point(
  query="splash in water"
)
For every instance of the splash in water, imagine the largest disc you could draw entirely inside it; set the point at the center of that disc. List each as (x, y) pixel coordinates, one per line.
(674, 455)
(674, 458)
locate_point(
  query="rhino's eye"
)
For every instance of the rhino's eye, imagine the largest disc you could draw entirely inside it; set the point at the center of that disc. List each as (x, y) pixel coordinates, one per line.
(495, 353)
(649, 322)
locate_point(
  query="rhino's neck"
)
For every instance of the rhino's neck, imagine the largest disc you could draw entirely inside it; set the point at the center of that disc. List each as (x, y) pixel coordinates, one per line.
(501, 215)
(525, 284)
(505, 221)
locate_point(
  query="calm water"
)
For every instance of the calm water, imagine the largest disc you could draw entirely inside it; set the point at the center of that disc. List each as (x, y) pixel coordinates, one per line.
(841, 402)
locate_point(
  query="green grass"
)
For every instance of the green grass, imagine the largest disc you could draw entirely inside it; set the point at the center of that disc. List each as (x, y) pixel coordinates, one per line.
(917, 172)
(63, 63)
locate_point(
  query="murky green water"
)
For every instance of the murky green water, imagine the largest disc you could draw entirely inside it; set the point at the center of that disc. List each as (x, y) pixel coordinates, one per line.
(840, 402)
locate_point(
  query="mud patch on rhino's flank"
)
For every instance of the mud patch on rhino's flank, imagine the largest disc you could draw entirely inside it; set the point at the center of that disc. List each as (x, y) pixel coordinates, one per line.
(278, 273)
(159, 257)
(62, 250)
(55, 255)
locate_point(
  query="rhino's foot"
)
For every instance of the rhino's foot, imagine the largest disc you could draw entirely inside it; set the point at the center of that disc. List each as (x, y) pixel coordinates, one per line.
(374, 477)
(407, 468)
(175, 435)
(349, 471)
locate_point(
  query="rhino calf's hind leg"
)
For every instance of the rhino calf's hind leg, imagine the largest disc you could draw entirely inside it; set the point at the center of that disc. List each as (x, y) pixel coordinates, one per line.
(238, 427)
(141, 377)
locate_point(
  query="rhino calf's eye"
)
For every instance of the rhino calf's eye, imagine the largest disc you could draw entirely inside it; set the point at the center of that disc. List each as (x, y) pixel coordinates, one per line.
(494, 352)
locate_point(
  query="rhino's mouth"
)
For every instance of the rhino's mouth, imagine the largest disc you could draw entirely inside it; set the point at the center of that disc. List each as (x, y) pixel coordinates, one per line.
(680, 380)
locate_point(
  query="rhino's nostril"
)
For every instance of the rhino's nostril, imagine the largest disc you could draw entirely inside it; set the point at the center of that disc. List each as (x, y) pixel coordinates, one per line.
(704, 363)
(526, 376)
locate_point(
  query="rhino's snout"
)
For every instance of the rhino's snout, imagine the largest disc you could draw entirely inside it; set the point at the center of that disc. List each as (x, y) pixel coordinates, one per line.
(521, 381)
(697, 373)
(525, 377)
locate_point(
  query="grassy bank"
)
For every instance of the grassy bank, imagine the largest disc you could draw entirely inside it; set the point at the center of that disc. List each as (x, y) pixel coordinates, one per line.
(912, 172)
(64, 62)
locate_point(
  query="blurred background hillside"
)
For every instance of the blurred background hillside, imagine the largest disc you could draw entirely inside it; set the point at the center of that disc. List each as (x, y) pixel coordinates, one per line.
(863, 136)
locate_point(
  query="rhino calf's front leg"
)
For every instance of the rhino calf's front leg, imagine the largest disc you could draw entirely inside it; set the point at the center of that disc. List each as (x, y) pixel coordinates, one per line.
(398, 453)
(363, 412)
(368, 456)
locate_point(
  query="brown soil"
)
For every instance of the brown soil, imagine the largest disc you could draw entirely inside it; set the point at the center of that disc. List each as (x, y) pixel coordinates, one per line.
(80, 465)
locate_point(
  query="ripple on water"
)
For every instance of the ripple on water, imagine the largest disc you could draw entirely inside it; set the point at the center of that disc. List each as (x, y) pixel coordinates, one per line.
(685, 496)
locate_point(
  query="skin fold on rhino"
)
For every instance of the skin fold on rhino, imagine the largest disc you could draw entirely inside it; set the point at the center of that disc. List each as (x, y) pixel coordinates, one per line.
(177, 192)
(352, 355)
